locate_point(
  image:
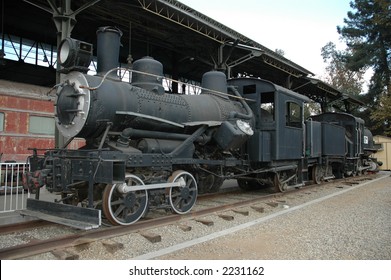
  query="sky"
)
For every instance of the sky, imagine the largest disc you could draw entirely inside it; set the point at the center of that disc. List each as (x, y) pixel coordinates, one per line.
(298, 27)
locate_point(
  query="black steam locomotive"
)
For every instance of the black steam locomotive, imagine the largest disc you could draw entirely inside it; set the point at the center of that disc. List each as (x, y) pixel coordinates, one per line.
(146, 148)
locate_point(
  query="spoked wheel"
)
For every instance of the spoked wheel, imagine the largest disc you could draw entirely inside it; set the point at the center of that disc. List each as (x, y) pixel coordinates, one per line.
(279, 183)
(124, 208)
(317, 174)
(373, 166)
(182, 199)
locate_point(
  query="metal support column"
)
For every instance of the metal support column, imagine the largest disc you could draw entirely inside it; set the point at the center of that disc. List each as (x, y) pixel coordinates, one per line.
(65, 20)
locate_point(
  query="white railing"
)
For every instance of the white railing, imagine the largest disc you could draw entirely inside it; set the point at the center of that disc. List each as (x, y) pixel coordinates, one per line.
(12, 194)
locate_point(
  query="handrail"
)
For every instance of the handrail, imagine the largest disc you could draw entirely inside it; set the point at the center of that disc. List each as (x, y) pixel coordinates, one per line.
(12, 193)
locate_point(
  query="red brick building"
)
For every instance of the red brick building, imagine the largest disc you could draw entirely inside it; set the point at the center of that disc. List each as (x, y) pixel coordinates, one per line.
(26, 120)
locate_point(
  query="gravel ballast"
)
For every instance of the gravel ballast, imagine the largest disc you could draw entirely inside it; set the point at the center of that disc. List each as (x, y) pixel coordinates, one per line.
(354, 225)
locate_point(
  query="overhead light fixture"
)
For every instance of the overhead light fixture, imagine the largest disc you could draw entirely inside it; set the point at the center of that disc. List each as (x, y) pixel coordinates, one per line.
(74, 55)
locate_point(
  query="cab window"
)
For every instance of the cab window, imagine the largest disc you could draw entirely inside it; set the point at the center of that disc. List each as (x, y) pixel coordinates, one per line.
(293, 115)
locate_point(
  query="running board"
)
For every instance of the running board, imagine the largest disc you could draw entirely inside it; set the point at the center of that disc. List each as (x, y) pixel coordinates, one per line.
(64, 214)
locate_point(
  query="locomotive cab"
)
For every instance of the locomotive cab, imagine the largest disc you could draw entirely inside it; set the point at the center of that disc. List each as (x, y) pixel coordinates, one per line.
(279, 120)
(277, 145)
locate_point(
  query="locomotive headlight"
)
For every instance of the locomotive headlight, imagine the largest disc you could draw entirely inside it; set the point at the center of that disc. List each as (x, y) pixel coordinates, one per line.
(74, 55)
(245, 127)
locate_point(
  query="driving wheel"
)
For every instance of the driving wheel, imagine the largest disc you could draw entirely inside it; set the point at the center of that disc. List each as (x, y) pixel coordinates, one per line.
(182, 198)
(124, 208)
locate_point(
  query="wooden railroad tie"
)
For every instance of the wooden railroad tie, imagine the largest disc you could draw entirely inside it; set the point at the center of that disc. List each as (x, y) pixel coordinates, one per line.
(241, 211)
(151, 237)
(184, 227)
(226, 217)
(63, 254)
(112, 246)
(205, 222)
(259, 209)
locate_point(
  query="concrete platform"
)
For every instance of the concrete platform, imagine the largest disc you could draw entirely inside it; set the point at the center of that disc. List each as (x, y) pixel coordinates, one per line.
(14, 217)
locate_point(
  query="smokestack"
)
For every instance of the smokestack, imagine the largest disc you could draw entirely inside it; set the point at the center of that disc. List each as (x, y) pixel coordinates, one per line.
(108, 49)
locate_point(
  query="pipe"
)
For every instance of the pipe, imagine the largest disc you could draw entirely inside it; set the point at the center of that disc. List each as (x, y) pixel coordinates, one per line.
(235, 114)
(129, 133)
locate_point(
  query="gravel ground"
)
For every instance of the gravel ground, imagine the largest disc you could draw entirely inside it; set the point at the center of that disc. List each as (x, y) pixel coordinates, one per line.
(353, 225)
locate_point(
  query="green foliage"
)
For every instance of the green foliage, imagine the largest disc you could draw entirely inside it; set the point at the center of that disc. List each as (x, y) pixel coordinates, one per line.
(367, 33)
(338, 73)
(382, 116)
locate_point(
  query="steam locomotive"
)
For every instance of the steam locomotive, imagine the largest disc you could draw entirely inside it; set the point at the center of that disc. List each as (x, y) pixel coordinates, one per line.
(150, 149)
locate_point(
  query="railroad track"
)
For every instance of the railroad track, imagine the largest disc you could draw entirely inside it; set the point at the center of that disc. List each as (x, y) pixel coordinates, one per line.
(216, 204)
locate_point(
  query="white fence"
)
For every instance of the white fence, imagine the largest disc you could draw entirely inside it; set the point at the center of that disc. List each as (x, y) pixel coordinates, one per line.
(12, 194)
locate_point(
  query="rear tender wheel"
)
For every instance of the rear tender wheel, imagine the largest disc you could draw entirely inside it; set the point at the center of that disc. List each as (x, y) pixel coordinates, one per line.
(373, 166)
(183, 198)
(279, 182)
(124, 208)
(317, 174)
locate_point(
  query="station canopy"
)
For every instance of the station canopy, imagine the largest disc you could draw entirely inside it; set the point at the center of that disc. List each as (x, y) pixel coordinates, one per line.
(185, 41)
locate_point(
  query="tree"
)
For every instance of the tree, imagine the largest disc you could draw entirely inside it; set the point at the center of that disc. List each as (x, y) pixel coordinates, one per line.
(367, 33)
(337, 72)
(280, 52)
(382, 116)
